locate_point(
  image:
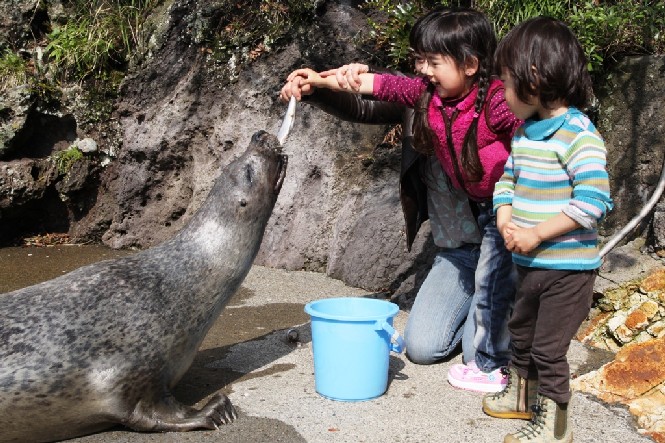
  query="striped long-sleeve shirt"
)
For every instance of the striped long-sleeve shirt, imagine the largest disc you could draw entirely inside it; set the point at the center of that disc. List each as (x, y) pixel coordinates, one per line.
(558, 165)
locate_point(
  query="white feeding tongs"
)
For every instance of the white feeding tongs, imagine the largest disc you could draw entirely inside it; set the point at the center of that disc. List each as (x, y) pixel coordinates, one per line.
(287, 124)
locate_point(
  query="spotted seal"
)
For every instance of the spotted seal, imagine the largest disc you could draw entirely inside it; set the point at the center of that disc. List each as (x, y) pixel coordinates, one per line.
(106, 343)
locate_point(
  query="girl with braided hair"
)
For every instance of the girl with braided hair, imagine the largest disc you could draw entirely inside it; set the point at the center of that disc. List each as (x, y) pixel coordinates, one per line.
(462, 121)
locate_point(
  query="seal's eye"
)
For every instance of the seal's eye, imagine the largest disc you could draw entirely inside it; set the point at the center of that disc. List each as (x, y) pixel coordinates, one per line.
(243, 202)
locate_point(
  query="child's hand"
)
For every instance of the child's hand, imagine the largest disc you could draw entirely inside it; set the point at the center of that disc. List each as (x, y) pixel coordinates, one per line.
(303, 81)
(307, 76)
(347, 75)
(296, 89)
(297, 84)
(506, 230)
(523, 240)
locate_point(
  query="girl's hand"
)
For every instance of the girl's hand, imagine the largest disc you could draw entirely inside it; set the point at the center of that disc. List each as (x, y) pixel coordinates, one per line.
(296, 89)
(297, 85)
(523, 240)
(348, 76)
(303, 80)
(305, 74)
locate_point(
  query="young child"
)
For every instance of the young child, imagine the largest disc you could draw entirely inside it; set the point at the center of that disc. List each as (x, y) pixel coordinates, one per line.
(549, 200)
(460, 114)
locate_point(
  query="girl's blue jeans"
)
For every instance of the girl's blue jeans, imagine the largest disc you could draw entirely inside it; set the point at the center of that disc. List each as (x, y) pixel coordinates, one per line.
(467, 296)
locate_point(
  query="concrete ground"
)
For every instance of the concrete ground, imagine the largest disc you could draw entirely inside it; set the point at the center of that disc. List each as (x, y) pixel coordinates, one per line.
(271, 382)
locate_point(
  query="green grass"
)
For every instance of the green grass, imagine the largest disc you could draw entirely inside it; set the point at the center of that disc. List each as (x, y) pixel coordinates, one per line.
(99, 38)
(12, 70)
(65, 159)
(607, 29)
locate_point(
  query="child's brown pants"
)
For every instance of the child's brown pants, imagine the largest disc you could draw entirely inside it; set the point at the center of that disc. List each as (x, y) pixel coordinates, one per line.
(550, 306)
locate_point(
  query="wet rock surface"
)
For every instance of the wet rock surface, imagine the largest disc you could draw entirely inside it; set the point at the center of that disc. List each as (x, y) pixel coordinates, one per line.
(628, 118)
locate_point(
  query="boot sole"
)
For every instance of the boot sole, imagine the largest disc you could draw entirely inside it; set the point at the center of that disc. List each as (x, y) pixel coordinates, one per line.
(510, 414)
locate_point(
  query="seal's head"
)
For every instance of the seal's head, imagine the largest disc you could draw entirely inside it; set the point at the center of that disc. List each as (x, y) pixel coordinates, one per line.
(247, 188)
(256, 177)
(269, 149)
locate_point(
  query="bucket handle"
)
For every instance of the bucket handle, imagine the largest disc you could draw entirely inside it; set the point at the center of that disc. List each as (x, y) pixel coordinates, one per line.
(397, 342)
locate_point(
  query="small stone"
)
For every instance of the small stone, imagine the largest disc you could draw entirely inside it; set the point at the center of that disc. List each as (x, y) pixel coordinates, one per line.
(636, 320)
(292, 335)
(657, 328)
(86, 145)
(643, 337)
(611, 345)
(613, 299)
(650, 309)
(617, 320)
(624, 334)
(654, 282)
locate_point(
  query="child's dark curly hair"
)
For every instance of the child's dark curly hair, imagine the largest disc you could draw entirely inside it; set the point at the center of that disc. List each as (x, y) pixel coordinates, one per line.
(545, 59)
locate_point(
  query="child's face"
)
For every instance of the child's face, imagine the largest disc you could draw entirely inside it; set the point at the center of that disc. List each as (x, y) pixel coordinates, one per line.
(450, 79)
(521, 110)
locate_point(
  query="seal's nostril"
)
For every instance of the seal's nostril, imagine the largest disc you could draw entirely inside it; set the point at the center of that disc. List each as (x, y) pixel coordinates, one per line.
(243, 202)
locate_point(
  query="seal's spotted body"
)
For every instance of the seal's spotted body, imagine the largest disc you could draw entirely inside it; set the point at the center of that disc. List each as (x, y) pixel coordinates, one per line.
(104, 344)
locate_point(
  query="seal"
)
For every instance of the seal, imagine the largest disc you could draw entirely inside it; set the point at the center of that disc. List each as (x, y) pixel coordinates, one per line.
(105, 344)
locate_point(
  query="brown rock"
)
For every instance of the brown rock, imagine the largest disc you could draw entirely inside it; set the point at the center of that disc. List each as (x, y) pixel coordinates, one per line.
(637, 320)
(586, 332)
(650, 413)
(637, 369)
(624, 334)
(654, 282)
(657, 328)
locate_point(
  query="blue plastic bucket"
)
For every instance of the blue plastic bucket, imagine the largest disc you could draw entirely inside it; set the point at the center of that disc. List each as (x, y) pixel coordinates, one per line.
(351, 341)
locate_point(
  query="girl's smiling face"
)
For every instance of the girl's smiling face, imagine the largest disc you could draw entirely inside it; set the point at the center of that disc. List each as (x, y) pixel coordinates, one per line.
(451, 80)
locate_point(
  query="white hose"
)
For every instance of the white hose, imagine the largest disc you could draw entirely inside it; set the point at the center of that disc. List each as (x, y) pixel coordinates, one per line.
(638, 218)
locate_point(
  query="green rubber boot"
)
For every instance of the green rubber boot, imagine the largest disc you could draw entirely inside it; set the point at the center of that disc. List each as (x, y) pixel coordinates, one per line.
(549, 424)
(515, 400)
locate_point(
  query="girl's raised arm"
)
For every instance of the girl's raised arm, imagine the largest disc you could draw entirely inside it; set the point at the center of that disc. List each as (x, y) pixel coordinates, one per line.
(347, 75)
(312, 78)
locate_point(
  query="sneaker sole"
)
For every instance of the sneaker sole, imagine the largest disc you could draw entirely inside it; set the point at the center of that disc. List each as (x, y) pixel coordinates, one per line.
(511, 414)
(474, 387)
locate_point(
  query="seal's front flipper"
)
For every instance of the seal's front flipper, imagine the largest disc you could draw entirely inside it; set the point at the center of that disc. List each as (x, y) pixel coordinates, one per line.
(171, 415)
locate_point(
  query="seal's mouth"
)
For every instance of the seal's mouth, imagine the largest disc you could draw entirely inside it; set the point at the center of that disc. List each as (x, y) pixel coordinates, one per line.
(270, 148)
(282, 163)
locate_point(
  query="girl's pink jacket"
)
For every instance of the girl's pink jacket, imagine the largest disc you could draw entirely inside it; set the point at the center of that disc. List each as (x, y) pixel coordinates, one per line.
(496, 126)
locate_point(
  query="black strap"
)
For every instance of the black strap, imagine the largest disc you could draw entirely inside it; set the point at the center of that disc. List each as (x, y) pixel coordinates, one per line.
(448, 122)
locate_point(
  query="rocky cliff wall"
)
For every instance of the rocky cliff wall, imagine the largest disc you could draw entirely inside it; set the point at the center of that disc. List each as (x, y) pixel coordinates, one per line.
(180, 117)
(631, 117)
